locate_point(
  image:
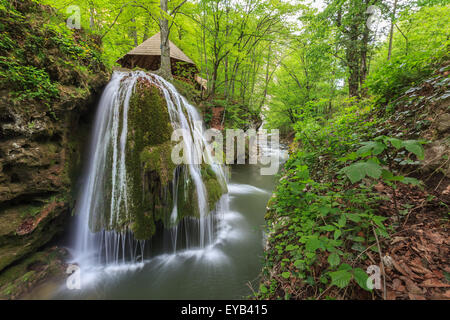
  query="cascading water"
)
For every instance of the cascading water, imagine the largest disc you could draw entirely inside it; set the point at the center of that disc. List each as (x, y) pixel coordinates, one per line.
(104, 199)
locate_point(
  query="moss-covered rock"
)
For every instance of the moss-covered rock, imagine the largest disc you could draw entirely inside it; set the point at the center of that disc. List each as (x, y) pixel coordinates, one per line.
(151, 173)
(18, 279)
(149, 133)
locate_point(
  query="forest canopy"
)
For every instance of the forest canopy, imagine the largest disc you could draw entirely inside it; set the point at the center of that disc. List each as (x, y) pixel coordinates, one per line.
(290, 58)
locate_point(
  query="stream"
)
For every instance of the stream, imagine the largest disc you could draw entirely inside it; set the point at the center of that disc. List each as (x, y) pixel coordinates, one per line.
(222, 271)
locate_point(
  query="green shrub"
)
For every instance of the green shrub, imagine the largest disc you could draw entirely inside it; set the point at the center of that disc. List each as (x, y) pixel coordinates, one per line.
(26, 82)
(414, 59)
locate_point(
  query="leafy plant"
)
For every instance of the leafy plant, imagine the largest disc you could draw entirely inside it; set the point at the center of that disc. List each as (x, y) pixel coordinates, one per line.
(377, 162)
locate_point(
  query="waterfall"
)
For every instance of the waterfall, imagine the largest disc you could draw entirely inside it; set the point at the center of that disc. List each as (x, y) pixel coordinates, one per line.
(105, 188)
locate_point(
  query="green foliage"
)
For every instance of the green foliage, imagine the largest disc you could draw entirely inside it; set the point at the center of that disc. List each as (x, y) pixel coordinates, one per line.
(323, 206)
(38, 53)
(382, 151)
(323, 219)
(26, 82)
(423, 45)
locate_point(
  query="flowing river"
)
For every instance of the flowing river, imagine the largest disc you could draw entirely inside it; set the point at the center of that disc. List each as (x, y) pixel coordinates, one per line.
(221, 272)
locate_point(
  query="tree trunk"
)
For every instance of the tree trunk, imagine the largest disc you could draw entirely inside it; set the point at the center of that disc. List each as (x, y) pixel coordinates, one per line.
(267, 78)
(133, 32)
(391, 32)
(91, 16)
(364, 51)
(353, 62)
(214, 79)
(146, 29)
(165, 70)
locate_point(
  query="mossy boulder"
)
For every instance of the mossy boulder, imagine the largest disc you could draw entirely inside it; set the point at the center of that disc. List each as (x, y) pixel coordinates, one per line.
(151, 171)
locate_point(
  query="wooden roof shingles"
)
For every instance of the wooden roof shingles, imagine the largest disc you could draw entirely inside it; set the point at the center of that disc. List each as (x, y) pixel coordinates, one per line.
(152, 47)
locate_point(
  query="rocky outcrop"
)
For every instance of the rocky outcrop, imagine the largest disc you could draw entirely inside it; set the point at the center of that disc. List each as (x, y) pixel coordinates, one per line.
(47, 96)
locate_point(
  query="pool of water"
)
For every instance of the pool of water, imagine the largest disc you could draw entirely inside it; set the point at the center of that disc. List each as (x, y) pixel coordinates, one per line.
(224, 270)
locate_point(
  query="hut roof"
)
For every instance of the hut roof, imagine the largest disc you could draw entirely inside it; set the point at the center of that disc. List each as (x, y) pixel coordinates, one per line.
(152, 47)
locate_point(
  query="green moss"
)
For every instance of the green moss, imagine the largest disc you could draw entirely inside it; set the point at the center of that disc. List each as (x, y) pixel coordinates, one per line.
(158, 159)
(14, 246)
(17, 279)
(148, 158)
(215, 192)
(213, 187)
(187, 90)
(38, 53)
(150, 170)
(187, 201)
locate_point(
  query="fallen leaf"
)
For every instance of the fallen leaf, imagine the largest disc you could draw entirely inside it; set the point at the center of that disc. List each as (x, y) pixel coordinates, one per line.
(413, 296)
(434, 283)
(391, 295)
(411, 287)
(396, 283)
(399, 268)
(398, 239)
(435, 237)
(419, 269)
(409, 271)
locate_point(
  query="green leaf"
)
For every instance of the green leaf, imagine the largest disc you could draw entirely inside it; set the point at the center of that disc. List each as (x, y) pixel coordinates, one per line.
(337, 234)
(328, 228)
(345, 266)
(355, 172)
(263, 288)
(415, 147)
(291, 247)
(333, 259)
(358, 171)
(389, 176)
(354, 217)
(371, 147)
(396, 143)
(373, 169)
(342, 221)
(340, 278)
(412, 181)
(299, 264)
(286, 275)
(324, 210)
(361, 278)
(313, 244)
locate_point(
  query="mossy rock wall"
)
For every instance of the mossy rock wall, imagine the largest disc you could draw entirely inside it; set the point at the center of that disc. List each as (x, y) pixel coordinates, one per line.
(50, 78)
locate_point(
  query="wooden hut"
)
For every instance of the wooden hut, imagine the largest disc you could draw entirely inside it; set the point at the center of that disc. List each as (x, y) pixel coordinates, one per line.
(148, 56)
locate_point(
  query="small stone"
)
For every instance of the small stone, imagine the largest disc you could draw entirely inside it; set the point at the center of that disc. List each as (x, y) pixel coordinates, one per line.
(387, 261)
(443, 123)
